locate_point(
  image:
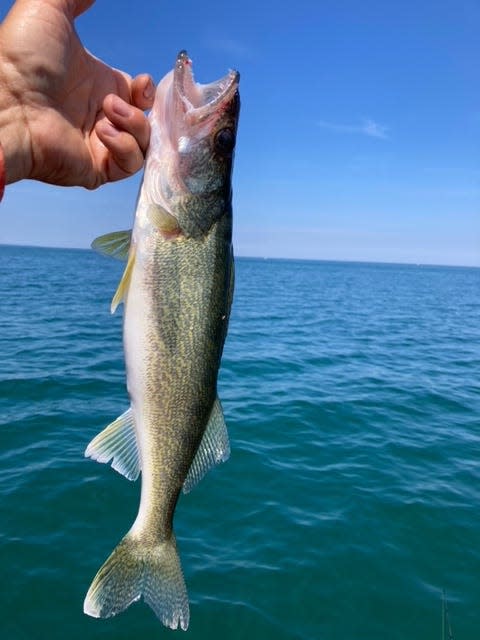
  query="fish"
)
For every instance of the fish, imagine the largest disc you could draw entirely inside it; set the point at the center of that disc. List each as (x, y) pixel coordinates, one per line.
(177, 291)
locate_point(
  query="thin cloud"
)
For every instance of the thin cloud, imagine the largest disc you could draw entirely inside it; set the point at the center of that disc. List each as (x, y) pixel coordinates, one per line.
(368, 127)
(374, 129)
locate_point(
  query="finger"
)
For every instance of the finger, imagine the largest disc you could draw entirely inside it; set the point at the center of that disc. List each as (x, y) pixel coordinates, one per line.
(125, 156)
(126, 117)
(78, 7)
(143, 91)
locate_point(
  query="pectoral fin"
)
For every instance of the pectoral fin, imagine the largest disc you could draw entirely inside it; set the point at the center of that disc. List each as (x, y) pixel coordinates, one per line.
(124, 284)
(115, 245)
(117, 443)
(163, 221)
(214, 448)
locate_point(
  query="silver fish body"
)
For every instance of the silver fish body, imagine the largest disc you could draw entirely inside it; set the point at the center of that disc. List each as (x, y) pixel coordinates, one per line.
(177, 290)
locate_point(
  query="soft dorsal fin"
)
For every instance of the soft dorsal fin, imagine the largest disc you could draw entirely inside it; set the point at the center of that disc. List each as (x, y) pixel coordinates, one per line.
(115, 245)
(124, 283)
(214, 448)
(117, 443)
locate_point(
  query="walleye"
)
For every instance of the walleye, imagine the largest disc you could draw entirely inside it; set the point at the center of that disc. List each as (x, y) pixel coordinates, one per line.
(177, 291)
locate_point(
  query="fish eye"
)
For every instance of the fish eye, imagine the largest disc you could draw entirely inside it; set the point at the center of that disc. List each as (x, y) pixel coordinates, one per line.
(224, 142)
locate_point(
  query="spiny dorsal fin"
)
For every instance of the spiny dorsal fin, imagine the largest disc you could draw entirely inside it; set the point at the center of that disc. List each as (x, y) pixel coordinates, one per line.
(214, 448)
(115, 245)
(124, 283)
(117, 443)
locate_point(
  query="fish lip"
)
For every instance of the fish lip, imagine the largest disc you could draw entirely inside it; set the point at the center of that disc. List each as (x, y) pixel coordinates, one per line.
(197, 108)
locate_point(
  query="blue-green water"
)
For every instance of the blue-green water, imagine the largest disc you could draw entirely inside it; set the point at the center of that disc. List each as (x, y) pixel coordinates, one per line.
(352, 496)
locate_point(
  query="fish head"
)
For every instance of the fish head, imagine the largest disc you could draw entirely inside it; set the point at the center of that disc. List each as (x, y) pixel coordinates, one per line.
(193, 134)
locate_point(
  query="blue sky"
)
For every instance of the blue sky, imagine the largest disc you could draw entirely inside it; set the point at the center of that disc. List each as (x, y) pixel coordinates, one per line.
(359, 133)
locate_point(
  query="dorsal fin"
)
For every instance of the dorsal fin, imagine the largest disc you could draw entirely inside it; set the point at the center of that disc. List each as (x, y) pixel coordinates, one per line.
(214, 448)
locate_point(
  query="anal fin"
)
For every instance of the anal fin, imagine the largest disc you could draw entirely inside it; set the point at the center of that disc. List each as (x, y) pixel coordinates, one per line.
(117, 443)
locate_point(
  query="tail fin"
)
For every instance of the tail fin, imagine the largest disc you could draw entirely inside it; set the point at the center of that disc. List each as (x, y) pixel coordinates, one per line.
(137, 568)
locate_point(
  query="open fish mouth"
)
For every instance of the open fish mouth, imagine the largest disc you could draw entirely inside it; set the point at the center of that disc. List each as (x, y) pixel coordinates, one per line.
(202, 100)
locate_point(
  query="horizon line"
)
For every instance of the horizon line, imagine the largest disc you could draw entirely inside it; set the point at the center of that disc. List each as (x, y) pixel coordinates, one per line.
(259, 257)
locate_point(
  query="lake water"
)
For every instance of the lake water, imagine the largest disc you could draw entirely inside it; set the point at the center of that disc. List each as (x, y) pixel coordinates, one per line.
(352, 495)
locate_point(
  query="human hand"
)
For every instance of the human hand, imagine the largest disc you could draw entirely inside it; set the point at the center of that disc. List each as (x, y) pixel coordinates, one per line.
(66, 117)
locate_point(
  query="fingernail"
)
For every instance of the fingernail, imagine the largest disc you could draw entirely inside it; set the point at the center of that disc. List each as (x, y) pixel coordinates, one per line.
(149, 91)
(121, 108)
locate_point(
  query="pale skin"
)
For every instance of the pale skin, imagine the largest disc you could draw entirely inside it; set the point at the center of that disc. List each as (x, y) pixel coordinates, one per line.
(66, 118)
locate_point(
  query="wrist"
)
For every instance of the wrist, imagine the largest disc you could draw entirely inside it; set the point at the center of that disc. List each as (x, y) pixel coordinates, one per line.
(2, 173)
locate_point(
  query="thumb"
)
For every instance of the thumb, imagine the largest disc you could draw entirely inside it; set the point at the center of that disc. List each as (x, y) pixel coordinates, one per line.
(77, 7)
